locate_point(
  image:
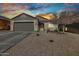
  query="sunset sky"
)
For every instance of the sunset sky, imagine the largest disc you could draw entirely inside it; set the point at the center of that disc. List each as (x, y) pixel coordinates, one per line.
(10, 10)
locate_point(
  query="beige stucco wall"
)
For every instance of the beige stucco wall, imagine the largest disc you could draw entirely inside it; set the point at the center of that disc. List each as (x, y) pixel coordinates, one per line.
(50, 26)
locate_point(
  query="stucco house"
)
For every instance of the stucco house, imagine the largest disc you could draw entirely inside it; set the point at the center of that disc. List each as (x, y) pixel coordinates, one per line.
(4, 23)
(45, 24)
(24, 22)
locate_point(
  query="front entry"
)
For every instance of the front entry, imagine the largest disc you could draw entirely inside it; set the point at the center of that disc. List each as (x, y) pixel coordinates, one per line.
(41, 26)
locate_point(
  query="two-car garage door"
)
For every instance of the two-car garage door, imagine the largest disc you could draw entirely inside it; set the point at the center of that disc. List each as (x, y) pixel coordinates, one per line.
(23, 26)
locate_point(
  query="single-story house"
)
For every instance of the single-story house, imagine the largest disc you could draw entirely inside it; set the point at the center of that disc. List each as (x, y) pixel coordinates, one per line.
(4, 23)
(45, 24)
(24, 22)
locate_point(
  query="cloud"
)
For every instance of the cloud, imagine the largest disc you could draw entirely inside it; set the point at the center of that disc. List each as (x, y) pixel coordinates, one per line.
(12, 7)
(69, 9)
(37, 6)
(71, 4)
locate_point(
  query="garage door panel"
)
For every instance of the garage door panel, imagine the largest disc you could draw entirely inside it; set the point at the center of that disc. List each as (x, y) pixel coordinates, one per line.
(24, 26)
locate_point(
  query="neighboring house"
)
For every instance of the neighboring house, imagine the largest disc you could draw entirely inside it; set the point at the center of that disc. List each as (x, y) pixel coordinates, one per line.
(4, 23)
(24, 22)
(45, 24)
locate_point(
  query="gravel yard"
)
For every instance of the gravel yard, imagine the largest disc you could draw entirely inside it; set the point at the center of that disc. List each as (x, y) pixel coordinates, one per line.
(47, 44)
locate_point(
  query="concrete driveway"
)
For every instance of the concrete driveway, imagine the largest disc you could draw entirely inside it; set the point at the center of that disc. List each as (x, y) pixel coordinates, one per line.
(47, 44)
(9, 39)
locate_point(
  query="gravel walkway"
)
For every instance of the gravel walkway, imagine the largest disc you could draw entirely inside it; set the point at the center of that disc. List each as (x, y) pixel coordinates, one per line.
(51, 44)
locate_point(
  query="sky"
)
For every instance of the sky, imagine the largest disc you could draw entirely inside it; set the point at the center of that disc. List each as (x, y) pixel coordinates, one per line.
(12, 9)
